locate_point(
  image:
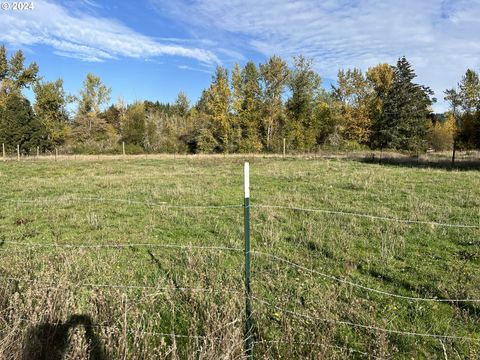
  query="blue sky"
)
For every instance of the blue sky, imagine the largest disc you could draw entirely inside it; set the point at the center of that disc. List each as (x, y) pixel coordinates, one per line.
(153, 49)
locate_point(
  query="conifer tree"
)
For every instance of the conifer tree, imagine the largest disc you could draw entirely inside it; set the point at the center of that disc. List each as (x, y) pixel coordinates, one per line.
(403, 122)
(19, 126)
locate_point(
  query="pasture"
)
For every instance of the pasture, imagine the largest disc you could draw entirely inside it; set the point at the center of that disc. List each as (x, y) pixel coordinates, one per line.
(143, 258)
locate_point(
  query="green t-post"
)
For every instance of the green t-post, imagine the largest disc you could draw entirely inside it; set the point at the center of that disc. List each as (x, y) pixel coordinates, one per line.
(248, 291)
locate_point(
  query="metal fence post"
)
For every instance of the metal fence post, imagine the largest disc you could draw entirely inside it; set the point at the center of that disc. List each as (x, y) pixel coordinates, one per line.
(248, 290)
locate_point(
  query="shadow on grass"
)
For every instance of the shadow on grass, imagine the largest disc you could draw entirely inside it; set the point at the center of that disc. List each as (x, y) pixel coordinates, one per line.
(49, 341)
(418, 162)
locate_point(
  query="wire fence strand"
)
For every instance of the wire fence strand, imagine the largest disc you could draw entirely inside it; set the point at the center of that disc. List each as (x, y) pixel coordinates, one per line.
(341, 348)
(125, 201)
(369, 327)
(156, 289)
(234, 249)
(351, 283)
(362, 215)
(227, 206)
(119, 246)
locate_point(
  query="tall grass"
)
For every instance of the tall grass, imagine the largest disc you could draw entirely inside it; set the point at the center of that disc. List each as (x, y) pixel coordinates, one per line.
(197, 294)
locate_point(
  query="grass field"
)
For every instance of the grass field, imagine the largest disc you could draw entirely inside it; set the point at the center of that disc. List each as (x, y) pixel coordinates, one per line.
(176, 285)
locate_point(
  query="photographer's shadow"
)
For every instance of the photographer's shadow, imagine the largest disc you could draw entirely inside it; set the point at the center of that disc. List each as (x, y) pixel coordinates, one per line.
(49, 341)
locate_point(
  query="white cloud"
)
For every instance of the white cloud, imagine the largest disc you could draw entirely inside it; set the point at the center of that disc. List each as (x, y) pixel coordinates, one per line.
(439, 37)
(86, 37)
(190, 68)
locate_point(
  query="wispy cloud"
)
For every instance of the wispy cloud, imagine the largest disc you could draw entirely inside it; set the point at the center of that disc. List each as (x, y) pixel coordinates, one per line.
(87, 37)
(190, 68)
(440, 37)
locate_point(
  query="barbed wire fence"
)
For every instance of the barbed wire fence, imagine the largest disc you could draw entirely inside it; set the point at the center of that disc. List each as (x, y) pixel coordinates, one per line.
(249, 337)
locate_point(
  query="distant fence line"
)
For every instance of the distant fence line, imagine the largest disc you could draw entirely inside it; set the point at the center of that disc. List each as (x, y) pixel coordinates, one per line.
(61, 153)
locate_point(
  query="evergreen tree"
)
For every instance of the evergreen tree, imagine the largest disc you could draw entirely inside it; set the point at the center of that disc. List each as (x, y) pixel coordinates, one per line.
(113, 117)
(19, 126)
(181, 105)
(403, 123)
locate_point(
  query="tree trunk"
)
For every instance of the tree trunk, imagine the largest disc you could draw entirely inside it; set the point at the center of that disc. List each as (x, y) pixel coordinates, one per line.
(453, 150)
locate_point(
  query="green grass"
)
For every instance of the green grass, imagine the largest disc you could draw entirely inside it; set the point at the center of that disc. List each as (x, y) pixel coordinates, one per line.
(78, 203)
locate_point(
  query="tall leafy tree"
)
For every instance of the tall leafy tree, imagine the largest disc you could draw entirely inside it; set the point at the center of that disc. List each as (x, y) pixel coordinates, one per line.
(470, 99)
(183, 123)
(181, 105)
(304, 83)
(216, 103)
(403, 122)
(89, 125)
(469, 88)
(275, 75)
(93, 96)
(465, 107)
(14, 76)
(249, 112)
(236, 105)
(50, 109)
(454, 98)
(352, 93)
(380, 80)
(133, 128)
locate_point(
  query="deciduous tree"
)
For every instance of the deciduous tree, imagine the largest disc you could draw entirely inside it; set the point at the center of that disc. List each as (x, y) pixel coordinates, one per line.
(50, 109)
(304, 84)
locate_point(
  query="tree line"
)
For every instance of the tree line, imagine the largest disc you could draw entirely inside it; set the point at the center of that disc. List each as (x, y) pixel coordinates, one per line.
(248, 109)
